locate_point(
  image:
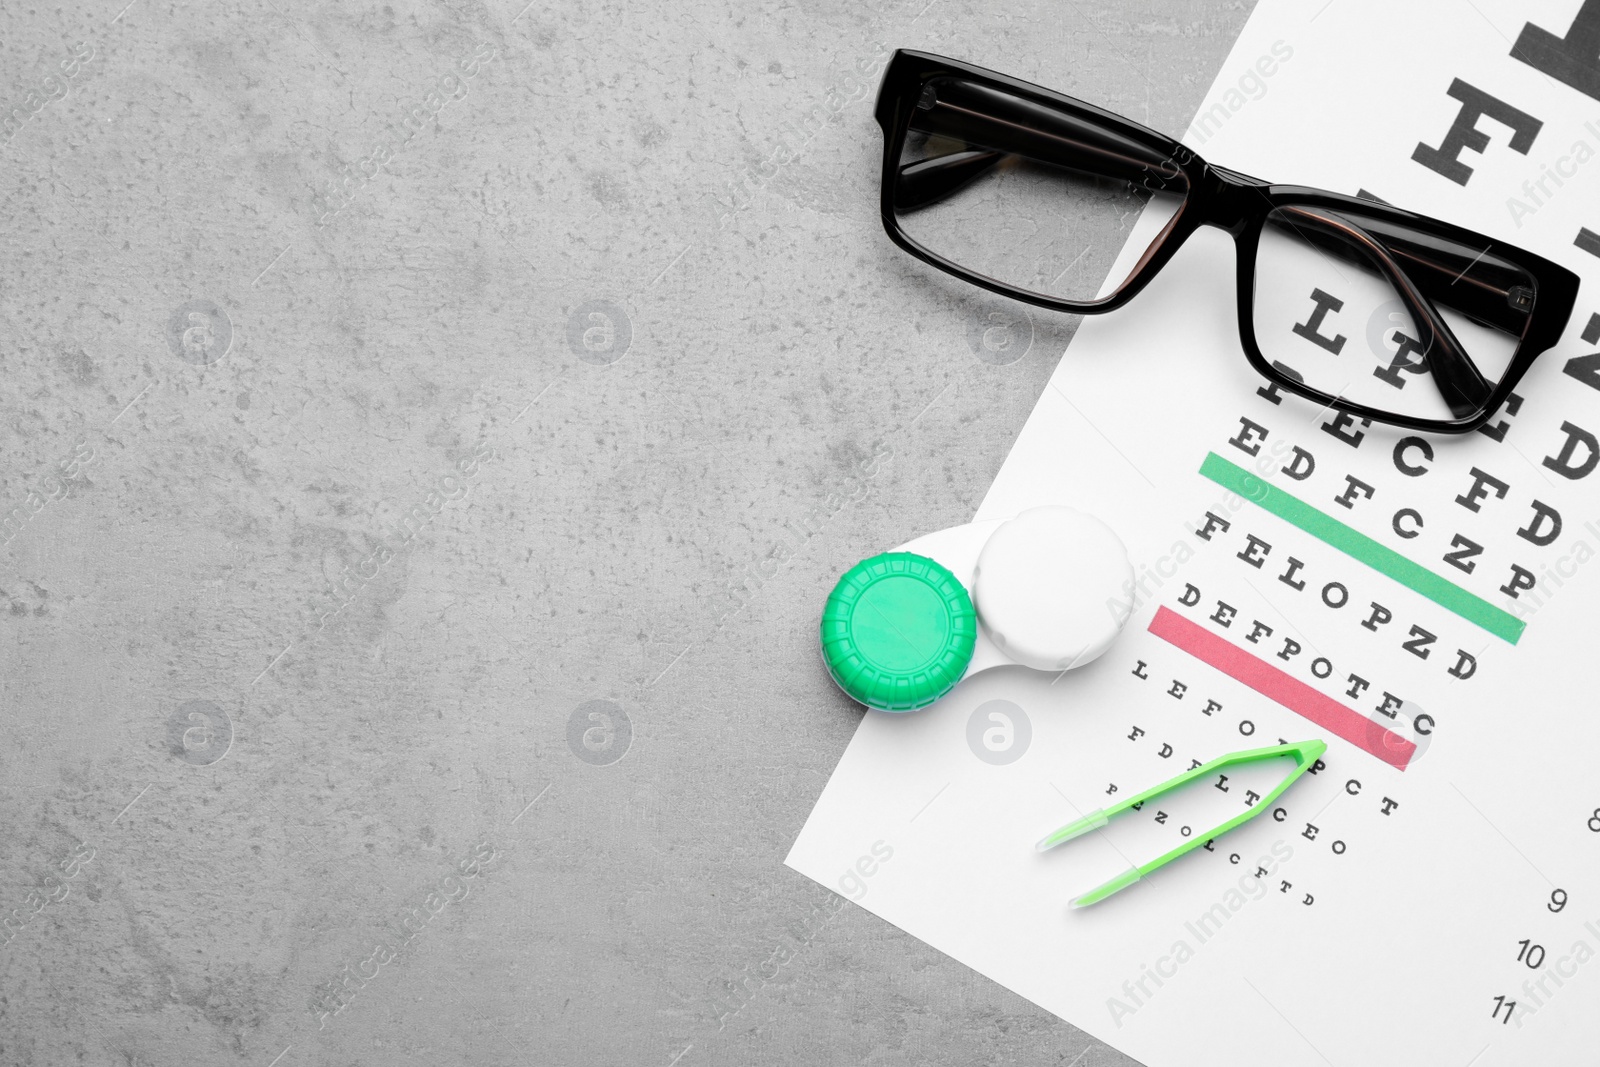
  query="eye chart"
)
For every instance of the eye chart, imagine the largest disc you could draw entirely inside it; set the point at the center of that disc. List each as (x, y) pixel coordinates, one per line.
(1427, 605)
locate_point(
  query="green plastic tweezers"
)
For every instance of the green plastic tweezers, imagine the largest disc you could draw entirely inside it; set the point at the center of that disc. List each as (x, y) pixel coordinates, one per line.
(1305, 753)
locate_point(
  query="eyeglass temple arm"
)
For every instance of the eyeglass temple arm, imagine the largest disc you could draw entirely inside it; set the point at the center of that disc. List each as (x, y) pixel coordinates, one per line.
(1471, 288)
(1010, 127)
(929, 181)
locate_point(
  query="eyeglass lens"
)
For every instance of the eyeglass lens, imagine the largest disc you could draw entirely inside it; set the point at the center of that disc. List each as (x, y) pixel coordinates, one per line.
(1024, 194)
(1330, 309)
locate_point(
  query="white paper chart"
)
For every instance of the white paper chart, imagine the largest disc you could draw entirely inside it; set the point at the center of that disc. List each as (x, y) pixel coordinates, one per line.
(1429, 606)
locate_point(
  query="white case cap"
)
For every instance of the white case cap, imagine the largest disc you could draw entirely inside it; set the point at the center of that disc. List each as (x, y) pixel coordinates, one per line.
(1053, 587)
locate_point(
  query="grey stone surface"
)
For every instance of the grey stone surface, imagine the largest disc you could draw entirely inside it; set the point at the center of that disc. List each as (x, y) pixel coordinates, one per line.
(394, 395)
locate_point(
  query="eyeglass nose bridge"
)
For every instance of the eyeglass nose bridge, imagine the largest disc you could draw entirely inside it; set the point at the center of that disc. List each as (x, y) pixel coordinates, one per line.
(1233, 197)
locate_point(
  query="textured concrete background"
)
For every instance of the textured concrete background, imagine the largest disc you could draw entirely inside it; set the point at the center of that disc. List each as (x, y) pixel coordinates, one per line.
(430, 430)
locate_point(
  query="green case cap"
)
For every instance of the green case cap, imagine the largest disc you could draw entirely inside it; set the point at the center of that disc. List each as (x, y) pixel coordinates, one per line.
(898, 631)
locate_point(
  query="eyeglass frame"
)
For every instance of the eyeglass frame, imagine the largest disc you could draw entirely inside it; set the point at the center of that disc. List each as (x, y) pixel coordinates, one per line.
(1233, 202)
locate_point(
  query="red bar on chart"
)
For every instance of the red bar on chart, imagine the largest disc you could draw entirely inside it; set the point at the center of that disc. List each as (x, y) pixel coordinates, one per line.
(1274, 684)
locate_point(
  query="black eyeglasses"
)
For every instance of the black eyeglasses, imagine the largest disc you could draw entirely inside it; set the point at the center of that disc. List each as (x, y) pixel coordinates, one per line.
(1348, 302)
